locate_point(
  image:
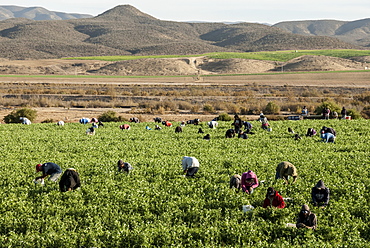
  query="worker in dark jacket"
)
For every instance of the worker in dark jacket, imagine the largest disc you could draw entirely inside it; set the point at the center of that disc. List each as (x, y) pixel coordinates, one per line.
(306, 219)
(311, 132)
(48, 169)
(124, 166)
(320, 194)
(69, 181)
(343, 113)
(238, 123)
(235, 181)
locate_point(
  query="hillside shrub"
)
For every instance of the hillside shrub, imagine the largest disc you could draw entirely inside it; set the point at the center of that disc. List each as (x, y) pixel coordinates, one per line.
(14, 116)
(328, 104)
(366, 112)
(208, 108)
(224, 117)
(48, 121)
(110, 116)
(272, 108)
(354, 114)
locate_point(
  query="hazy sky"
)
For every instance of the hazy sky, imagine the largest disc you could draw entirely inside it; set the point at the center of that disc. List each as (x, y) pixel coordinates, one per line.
(262, 11)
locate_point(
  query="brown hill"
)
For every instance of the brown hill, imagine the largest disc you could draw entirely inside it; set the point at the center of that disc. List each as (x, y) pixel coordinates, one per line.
(36, 13)
(354, 32)
(125, 30)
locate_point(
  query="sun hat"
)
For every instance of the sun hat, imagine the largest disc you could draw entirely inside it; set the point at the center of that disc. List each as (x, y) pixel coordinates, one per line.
(38, 167)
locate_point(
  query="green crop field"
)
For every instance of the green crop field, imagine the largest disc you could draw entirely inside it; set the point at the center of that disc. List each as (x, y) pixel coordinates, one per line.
(154, 206)
(270, 55)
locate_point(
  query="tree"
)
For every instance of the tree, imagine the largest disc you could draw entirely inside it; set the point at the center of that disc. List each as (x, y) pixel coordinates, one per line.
(15, 115)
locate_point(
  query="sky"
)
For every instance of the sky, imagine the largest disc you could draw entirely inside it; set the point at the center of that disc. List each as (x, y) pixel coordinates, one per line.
(261, 11)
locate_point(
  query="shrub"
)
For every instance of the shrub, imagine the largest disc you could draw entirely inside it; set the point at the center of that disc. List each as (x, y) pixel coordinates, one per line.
(272, 108)
(366, 112)
(48, 121)
(208, 108)
(224, 117)
(354, 114)
(329, 104)
(14, 116)
(109, 116)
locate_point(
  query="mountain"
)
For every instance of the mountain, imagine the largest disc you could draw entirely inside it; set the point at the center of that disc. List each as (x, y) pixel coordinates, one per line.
(355, 32)
(124, 30)
(36, 13)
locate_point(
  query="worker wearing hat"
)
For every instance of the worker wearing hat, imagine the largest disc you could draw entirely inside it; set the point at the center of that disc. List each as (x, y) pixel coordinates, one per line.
(49, 169)
(273, 199)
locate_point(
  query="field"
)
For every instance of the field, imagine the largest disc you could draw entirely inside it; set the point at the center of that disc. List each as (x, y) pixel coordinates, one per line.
(156, 206)
(268, 55)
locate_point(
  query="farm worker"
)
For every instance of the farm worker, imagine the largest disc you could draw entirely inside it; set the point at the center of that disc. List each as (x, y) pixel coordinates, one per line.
(335, 115)
(100, 124)
(326, 113)
(60, 123)
(70, 180)
(328, 130)
(238, 123)
(207, 137)
(134, 119)
(84, 120)
(190, 166)
(49, 169)
(264, 122)
(286, 169)
(124, 166)
(320, 194)
(306, 219)
(200, 130)
(157, 127)
(327, 137)
(273, 199)
(249, 182)
(167, 123)
(343, 113)
(242, 134)
(212, 124)
(90, 131)
(235, 181)
(304, 111)
(248, 126)
(311, 132)
(125, 127)
(230, 133)
(25, 120)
